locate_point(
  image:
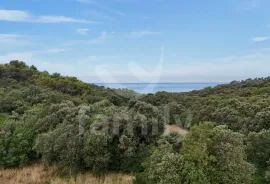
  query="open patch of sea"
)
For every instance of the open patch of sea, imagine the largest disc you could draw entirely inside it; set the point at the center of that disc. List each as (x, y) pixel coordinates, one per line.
(155, 87)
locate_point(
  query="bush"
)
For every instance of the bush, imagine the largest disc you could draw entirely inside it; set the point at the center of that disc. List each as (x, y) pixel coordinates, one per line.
(16, 144)
(96, 154)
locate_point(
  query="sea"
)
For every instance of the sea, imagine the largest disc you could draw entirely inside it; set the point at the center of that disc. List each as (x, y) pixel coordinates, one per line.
(156, 87)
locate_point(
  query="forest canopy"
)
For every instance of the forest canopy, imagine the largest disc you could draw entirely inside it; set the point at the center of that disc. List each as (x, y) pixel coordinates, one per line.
(77, 126)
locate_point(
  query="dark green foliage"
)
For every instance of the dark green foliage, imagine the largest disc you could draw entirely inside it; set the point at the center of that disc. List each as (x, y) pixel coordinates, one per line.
(33, 102)
(258, 151)
(78, 126)
(174, 139)
(209, 155)
(95, 151)
(163, 166)
(216, 155)
(243, 106)
(258, 148)
(230, 164)
(62, 146)
(16, 144)
(16, 70)
(174, 111)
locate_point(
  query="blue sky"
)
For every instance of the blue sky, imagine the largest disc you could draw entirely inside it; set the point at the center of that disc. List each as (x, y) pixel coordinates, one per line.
(139, 40)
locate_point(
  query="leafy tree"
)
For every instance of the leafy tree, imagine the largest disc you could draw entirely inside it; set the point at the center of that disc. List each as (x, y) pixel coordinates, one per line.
(230, 165)
(163, 166)
(258, 148)
(258, 151)
(81, 126)
(173, 111)
(210, 154)
(61, 147)
(96, 153)
(16, 144)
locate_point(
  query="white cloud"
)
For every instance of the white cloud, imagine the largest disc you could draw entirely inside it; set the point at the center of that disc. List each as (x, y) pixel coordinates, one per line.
(96, 40)
(82, 31)
(260, 39)
(13, 40)
(143, 33)
(59, 19)
(30, 59)
(14, 15)
(250, 65)
(99, 39)
(23, 16)
(23, 56)
(9, 36)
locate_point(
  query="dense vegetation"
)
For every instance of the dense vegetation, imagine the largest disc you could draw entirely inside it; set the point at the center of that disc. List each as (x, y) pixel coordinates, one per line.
(83, 127)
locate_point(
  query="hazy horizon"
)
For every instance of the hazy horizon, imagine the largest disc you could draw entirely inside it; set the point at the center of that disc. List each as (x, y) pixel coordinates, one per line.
(139, 41)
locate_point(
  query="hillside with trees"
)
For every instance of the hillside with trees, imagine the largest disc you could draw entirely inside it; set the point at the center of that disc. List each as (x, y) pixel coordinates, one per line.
(77, 127)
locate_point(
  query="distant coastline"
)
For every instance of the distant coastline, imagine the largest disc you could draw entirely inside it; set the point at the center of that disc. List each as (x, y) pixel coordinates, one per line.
(155, 87)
